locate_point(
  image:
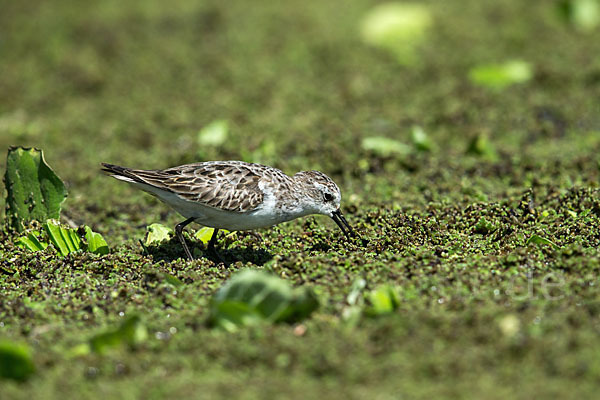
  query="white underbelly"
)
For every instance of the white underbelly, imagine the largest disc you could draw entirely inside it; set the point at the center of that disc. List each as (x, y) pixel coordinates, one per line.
(261, 217)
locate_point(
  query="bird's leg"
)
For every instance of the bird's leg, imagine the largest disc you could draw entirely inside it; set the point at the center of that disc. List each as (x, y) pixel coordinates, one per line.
(213, 240)
(211, 246)
(179, 232)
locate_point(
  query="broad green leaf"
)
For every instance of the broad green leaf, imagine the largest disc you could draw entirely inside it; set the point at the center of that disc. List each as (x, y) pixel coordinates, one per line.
(156, 233)
(398, 28)
(213, 134)
(480, 145)
(131, 332)
(584, 15)
(34, 191)
(385, 147)
(420, 139)
(95, 242)
(65, 240)
(250, 295)
(499, 76)
(536, 239)
(31, 242)
(15, 361)
(383, 300)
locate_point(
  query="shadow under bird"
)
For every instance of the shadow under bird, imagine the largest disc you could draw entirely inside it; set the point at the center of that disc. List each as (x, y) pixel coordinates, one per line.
(236, 195)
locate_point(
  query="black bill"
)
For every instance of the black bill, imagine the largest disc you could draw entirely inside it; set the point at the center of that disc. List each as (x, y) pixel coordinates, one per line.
(342, 223)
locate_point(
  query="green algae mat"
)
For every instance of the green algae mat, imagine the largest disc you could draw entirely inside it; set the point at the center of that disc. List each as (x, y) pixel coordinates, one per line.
(465, 138)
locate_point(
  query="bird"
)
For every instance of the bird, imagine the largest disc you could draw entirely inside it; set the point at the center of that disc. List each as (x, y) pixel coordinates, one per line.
(236, 195)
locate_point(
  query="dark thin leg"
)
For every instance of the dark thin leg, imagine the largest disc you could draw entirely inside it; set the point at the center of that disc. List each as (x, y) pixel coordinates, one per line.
(211, 247)
(213, 240)
(178, 231)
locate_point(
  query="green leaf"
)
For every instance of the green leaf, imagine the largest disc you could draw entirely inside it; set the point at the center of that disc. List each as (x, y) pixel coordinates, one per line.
(385, 147)
(156, 233)
(536, 239)
(383, 300)
(233, 314)
(420, 139)
(95, 242)
(251, 296)
(131, 332)
(356, 291)
(213, 134)
(204, 234)
(483, 226)
(31, 242)
(65, 240)
(584, 15)
(397, 28)
(480, 145)
(34, 191)
(499, 76)
(15, 361)
(172, 280)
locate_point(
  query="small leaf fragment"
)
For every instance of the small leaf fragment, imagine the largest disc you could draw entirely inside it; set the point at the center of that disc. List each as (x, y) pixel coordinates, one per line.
(172, 280)
(214, 134)
(420, 139)
(397, 27)
(204, 234)
(483, 226)
(536, 239)
(385, 147)
(252, 296)
(383, 300)
(95, 242)
(156, 233)
(480, 145)
(130, 332)
(16, 361)
(502, 75)
(584, 15)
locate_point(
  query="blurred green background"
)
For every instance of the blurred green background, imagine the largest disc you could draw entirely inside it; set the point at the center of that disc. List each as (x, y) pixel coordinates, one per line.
(431, 117)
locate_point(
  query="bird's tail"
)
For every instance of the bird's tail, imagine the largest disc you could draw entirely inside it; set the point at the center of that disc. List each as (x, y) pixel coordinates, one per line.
(121, 173)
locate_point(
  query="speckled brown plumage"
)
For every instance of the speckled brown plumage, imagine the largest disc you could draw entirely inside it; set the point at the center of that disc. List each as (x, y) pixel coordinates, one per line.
(226, 185)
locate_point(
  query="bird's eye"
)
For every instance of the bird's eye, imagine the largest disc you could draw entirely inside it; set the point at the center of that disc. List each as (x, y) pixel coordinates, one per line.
(328, 197)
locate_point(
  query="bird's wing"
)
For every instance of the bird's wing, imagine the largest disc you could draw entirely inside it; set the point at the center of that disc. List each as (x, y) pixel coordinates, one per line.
(222, 185)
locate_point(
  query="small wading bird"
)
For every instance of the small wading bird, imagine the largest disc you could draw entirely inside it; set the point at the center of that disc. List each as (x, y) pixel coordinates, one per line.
(236, 195)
